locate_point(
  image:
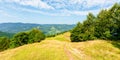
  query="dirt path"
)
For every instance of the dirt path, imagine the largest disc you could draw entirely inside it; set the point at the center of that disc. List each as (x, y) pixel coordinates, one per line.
(79, 54)
(70, 51)
(67, 37)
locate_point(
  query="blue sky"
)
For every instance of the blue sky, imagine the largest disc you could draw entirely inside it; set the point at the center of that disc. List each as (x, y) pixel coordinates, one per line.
(50, 11)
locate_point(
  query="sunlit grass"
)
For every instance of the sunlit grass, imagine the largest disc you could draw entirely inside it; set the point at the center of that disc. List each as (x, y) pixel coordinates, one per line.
(60, 48)
(61, 37)
(45, 50)
(98, 49)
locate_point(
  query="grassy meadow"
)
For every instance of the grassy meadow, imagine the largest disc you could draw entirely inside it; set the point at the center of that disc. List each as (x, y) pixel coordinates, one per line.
(60, 48)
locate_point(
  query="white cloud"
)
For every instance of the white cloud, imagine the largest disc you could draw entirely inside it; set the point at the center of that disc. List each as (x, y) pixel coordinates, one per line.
(91, 3)
(80, 13)
(60, 13)
(64, 7)
(33, 3)
(81, 7)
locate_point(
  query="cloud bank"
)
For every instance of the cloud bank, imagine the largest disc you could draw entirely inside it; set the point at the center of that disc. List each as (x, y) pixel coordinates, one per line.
(61, 7)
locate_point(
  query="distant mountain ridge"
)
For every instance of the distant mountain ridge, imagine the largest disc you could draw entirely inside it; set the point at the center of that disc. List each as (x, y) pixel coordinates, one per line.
(46, 28)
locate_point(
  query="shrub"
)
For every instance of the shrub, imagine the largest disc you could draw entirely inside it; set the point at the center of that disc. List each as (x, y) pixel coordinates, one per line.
(75, 33)
(4, 43)
(35, 35)
(19, 39)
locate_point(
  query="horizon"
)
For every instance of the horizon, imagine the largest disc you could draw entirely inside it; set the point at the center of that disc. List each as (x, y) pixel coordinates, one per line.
(32, 23)
(50, 11)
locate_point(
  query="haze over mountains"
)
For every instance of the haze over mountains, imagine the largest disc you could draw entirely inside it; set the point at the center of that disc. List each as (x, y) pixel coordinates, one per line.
(46, 28)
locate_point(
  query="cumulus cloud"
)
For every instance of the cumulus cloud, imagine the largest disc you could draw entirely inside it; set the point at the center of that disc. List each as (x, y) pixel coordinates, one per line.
(79, 4)
(91, 3)
(80, 7)
(33, 3)
(64, 7)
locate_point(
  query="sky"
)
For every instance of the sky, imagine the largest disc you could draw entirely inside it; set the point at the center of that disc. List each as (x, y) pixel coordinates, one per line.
(50, 11)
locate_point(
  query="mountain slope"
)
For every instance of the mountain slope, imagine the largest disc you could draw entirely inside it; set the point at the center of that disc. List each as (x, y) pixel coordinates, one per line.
(46, 28)
(60, 48)
(2, 34)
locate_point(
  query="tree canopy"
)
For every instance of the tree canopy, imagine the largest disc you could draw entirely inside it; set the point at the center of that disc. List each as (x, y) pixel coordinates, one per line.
(106, 25)
(19, 39)
(4, 43)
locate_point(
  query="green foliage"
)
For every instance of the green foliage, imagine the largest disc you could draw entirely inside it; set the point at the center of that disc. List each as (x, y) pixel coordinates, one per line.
(106, 25)
(85, 31)
(35, 35)
(76, 33)
(89, 27)
(4, 43)
(19, 39)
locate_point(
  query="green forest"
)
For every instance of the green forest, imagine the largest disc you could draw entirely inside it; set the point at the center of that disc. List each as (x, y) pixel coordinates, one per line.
(21, 38)
(106, 25)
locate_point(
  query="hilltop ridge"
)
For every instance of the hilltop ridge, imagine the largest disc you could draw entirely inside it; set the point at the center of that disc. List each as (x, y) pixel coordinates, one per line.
(60, 48)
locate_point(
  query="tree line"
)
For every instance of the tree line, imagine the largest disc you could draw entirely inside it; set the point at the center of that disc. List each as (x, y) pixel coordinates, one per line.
(21, 38)
(106, 25)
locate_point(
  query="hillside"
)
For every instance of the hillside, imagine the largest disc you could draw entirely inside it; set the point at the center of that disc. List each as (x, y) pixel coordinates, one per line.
(46, 28)
(2, 34)
(60, 48)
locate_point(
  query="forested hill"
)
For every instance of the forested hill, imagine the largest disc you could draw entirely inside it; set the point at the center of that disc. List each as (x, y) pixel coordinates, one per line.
(46, 28)
(2, 34)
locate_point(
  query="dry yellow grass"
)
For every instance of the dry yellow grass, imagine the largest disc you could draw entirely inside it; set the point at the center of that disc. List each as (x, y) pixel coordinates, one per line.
(61, 37)
(98, 50)
(60, 48)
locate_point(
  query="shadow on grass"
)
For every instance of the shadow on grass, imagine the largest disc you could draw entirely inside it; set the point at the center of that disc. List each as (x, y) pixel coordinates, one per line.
(116, 44)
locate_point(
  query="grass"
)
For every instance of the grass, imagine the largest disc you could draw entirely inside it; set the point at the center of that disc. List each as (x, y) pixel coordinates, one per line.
(60, 48)
(61, 37)
(46, 50)
(98, 49)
